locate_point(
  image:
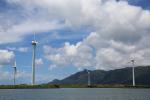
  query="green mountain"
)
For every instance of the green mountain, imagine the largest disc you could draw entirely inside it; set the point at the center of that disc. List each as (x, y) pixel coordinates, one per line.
(117, 76)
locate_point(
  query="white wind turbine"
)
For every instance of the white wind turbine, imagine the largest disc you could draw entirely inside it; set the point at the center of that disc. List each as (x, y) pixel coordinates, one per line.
(133, 72)
(34, 43)
(15, 72)
(89, 78)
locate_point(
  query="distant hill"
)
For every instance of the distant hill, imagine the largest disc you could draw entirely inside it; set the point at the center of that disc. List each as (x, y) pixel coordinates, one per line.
(117, 76)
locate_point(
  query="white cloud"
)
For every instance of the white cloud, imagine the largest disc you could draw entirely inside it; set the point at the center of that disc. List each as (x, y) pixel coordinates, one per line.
(6, 57)
(76, 55)
(119, 31)
(116, 20)
(20, 49)
(89, 54)
(23, 49)
(5, 75)
(39, 61)
(17, 33)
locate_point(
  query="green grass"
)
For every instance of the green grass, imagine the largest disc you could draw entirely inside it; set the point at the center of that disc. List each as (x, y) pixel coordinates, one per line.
(68, 86)
(28, 86)
(104, 86)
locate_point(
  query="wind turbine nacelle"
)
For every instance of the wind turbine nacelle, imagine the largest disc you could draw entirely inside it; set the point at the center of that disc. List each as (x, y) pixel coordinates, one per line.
(34, 42)
(132, 61)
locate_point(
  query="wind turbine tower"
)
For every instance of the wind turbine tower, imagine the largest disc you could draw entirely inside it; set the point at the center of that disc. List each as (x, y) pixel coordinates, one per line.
(89, 78)
(34, 43)
(133, 72)
(15, 72)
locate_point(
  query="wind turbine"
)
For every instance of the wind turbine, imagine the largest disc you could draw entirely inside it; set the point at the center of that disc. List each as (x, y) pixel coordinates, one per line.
(34, 43)
(133, 72)
(15, 72)
(89, 78)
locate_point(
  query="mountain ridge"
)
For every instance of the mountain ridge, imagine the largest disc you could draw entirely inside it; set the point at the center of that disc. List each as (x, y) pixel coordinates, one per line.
(117, 76)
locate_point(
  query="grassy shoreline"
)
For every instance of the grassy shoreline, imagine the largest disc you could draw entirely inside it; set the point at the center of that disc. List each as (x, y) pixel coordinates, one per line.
(69, 86)
(28, 86)
(104, 86)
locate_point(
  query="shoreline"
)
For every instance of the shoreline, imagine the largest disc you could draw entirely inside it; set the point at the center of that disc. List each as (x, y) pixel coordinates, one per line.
(72, 86)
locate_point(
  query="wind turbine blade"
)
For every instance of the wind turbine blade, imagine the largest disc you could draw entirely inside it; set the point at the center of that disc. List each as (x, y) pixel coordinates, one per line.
(14, 64)
(15, 70)
(34, 36)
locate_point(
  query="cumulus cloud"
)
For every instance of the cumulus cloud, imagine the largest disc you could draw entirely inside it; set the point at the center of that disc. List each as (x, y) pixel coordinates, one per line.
(4, 75)
(6, 57)
(120, 31)
(17, 33)
(108, 17)
(39, 61)
(23, 49)
(86, 54)
(20, 49)
(20, 21)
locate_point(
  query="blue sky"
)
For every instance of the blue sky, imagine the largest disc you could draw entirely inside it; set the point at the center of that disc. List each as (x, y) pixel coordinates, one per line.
(72, 36)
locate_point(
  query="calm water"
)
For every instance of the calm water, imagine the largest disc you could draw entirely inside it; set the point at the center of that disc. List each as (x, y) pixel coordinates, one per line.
(75, 94)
